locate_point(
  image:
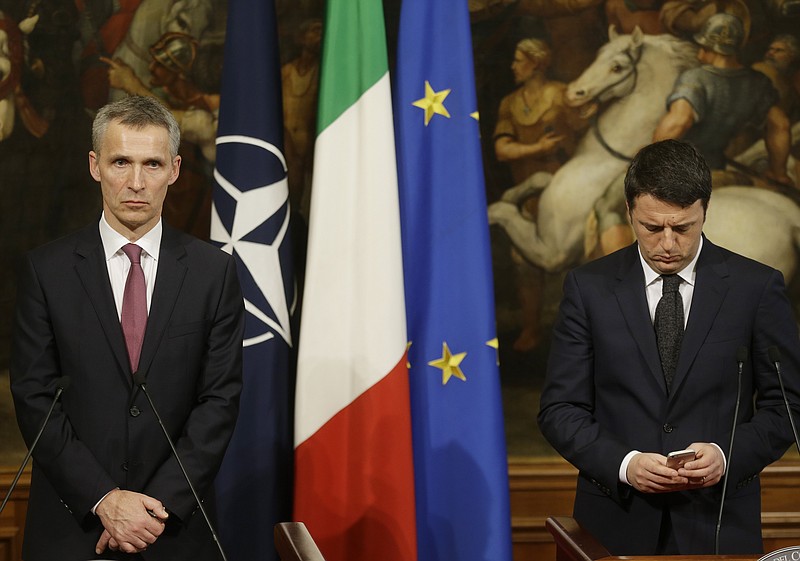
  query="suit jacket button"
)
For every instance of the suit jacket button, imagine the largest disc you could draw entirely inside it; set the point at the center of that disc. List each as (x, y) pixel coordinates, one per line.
(668, 428)
(135, 411)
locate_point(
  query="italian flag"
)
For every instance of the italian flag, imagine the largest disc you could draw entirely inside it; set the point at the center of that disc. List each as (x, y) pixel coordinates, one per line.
(354, 482)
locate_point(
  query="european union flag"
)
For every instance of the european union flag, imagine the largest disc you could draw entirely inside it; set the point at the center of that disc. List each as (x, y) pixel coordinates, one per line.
(251, 220)
(460, 461)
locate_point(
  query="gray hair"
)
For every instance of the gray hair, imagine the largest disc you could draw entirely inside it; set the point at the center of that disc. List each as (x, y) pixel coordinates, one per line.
(136, 111)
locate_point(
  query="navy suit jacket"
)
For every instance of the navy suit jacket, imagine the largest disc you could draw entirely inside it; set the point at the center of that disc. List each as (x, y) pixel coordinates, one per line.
(103, 434)
(605, 395)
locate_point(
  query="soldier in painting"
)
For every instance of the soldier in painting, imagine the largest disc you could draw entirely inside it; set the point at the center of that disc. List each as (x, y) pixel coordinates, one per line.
(712, 102)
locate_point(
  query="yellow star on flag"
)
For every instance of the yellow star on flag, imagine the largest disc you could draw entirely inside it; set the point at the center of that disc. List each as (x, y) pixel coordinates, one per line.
(449, 364)
(432, 103)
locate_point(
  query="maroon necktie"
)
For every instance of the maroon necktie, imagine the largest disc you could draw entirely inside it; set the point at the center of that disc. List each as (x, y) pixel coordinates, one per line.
(134, 305)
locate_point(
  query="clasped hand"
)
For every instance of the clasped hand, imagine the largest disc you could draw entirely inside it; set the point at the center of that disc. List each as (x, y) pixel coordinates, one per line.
(648, 472)
(131, 521)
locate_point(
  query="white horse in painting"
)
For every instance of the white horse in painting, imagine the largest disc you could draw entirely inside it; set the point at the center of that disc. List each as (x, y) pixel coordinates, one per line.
(152, 19)
(638, 71)
(12, 37)
(758, 223)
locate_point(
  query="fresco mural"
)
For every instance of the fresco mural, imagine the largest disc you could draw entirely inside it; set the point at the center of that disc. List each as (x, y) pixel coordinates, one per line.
(607, 72)
(568, 90)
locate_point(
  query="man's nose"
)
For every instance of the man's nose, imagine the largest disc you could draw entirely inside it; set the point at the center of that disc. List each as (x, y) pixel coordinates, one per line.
(668, 239)
(137, 181)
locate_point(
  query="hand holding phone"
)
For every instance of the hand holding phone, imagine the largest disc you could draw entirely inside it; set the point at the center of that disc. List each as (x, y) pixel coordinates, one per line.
(677, 458)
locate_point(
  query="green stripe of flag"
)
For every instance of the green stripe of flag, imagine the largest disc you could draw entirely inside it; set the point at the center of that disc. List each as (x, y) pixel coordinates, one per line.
(353, 55)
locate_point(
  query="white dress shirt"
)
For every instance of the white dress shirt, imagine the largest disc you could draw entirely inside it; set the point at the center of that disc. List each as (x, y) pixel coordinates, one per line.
(118, 263)
(118, 266)
(653, 286)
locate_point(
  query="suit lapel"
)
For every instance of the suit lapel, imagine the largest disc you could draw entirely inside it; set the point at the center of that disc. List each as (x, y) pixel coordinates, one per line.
(632, 302)
(169, 279)
(93, 272)
(710, 288)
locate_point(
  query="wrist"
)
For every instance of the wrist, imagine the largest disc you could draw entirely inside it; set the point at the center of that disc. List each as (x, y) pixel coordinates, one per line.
(98, 503)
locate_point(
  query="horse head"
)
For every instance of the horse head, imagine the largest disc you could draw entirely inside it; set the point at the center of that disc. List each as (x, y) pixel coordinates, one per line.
(622, 62)
(613, 73)
(191, 17)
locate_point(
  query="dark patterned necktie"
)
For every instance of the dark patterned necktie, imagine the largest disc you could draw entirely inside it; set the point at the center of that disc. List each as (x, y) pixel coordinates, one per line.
(669, 325)
(134, 305)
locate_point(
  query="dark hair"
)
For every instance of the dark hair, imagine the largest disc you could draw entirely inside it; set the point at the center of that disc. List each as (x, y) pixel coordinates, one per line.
(671, 171)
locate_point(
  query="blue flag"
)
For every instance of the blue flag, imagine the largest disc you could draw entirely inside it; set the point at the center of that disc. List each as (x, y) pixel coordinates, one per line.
(250, 219)
(460, 462)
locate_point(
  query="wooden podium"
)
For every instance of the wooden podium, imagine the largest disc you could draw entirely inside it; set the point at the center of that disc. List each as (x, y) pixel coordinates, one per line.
(573, 543)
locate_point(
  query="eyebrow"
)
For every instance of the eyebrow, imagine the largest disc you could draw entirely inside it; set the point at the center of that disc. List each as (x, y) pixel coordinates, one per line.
(115, 157)
(673, 226)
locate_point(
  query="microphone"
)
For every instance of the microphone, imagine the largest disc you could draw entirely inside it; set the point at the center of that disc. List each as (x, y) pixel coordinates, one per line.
(775, 359)
(741, 358)
(61, 384)
(139, 380)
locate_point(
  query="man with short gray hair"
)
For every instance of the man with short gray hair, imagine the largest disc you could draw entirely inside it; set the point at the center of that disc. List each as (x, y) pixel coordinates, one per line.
(127, 299)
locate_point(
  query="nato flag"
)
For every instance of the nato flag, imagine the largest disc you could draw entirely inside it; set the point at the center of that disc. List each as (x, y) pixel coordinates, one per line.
(250, 219)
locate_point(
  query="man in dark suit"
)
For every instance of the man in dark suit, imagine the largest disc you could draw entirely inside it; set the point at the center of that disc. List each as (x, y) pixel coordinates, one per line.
(616, 400)
(104, 480)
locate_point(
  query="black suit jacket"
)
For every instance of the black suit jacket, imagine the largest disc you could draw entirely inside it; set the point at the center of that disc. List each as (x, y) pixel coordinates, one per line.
(103, 433)
(605, 396)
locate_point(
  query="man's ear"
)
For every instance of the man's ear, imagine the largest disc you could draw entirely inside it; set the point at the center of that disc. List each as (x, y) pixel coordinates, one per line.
(176, 170)
(94, 168)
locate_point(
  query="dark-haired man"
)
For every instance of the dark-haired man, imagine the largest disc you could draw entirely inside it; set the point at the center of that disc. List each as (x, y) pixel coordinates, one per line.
(644, 362)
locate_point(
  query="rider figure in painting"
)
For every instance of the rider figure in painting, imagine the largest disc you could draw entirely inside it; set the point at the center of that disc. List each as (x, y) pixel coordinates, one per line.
(714, 101)
(536, 131)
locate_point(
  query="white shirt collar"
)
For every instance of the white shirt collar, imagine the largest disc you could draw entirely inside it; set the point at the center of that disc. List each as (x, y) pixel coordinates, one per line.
(687, 274)
(113, 240)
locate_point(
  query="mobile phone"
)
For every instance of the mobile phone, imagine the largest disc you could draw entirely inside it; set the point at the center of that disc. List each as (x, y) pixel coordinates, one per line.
(677, 458)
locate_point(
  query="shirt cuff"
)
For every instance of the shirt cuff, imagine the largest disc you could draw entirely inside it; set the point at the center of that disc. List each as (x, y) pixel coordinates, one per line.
(724, 459)
(623, 467)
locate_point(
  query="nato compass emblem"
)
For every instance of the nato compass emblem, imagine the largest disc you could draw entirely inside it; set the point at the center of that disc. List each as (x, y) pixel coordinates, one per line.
(250, 220)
